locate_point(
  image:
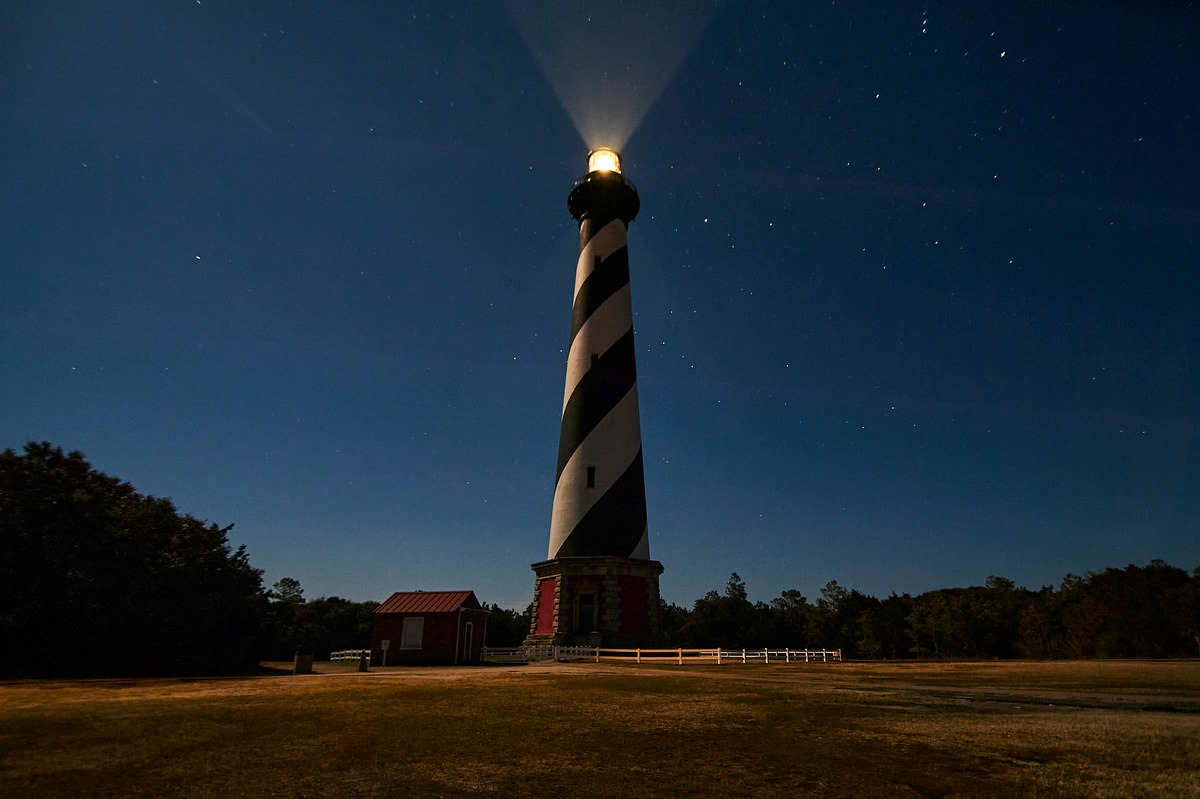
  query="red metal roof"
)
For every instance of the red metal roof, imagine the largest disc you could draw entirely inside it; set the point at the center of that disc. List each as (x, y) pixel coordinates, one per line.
(429, 602)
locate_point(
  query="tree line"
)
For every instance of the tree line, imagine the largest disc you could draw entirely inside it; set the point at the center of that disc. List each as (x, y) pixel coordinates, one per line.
(1139, 611)
(98, 579)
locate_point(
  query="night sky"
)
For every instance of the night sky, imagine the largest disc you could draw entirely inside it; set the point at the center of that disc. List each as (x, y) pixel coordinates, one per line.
(915, 283)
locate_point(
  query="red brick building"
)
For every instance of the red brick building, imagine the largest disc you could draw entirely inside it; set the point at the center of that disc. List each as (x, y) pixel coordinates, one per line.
(418, 628)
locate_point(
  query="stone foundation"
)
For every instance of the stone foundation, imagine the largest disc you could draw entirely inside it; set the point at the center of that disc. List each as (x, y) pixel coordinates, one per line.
(595, 601)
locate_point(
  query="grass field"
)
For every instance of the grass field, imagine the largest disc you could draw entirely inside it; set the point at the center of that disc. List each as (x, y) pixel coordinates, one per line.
(1093, 729)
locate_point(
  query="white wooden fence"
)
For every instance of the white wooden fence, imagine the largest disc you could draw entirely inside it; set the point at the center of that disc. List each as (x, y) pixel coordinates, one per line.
(523, 654)
(349, 654)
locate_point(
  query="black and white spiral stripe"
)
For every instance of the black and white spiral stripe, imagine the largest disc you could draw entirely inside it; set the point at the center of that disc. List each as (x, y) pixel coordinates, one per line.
(600, 492)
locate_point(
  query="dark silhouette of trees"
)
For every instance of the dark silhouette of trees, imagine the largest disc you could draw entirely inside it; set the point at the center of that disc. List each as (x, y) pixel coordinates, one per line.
(672, 618)
(1130, 612)
(1189, 611)
(728, 619)
(883, 632)
(507, 627)
(333, 623)
(1151, 611)
(790, 614)
(99, 579)
(977, 622)
(317, 627)
(288, 590)
(840, 619)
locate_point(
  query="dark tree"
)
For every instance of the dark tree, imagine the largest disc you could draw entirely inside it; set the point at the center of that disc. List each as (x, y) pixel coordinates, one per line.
(1189, 610)
(727, 620)
(282, 634)
(329, 624)
(1150, 611)
(841, 620)
(287, 589)
(673, 618)
(790, 612)
(1040, 625)
(99, 579)
(1131, 612)
(507, 627)
(317, 627)
(718, 620)
(883, 633)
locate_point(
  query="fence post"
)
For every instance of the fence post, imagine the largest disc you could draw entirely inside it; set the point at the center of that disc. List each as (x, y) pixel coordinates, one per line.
(766, 656)
(743, 655)
(639, 655)
(680, 656)
(718, 656)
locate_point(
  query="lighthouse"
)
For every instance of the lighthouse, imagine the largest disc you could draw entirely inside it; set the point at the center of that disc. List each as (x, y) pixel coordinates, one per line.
(598, 584)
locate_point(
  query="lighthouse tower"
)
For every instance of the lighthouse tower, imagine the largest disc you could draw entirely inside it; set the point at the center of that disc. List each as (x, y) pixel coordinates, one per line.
(598, 584)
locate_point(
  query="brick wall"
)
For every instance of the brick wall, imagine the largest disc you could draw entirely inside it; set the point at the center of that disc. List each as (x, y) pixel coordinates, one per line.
(442, 632)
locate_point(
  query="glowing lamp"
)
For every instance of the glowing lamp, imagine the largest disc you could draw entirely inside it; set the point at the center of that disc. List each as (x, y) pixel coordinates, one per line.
(603, 159)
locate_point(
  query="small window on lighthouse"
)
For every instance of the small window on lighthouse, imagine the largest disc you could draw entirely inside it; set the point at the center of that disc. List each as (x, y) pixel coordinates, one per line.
(591, 477)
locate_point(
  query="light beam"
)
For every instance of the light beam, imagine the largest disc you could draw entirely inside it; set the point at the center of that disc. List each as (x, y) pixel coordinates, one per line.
(608, 65)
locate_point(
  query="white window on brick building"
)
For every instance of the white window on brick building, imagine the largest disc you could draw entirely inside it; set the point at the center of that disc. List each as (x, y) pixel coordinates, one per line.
(414, 628)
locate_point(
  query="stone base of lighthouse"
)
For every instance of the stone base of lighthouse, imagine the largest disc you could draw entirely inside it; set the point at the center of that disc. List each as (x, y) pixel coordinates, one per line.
(595, 601)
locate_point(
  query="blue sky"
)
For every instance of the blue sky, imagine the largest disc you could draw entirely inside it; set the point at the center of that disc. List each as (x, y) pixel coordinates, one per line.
(914, 284)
